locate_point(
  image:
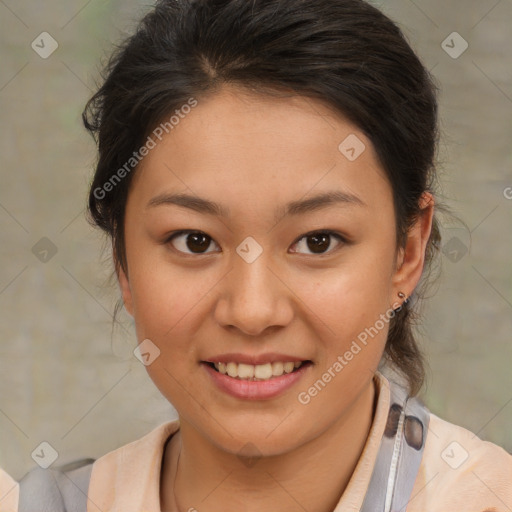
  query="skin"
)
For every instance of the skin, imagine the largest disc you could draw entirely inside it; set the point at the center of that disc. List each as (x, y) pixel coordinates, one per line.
(254, 154)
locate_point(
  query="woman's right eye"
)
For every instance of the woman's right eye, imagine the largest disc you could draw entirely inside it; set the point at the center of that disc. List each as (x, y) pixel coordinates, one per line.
(194, 241)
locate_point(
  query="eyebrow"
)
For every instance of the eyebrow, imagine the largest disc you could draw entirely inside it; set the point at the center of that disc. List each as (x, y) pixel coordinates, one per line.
(298, 207)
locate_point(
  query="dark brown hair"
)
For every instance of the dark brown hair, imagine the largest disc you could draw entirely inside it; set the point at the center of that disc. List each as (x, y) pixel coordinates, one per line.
(345, 53)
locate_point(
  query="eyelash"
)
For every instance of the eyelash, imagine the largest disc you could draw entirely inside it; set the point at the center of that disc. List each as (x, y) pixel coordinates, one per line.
(334, 234)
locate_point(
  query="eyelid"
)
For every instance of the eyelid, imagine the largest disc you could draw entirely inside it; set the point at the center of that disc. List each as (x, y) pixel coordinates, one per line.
(168, 239)
(341, 238)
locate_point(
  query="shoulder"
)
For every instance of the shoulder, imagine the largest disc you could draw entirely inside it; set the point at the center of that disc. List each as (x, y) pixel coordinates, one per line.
(73, 484)
(463, 453)
(145, 447)
(46, 489)
(134, 469)
(9, 491)
(55, 489)
(460, 471)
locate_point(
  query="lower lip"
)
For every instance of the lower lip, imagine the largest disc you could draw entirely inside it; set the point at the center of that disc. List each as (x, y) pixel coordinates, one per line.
(255, 389)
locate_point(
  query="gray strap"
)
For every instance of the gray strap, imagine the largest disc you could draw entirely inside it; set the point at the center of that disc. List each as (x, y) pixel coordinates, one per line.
(415, 430)
(400, 453)
(62, 489)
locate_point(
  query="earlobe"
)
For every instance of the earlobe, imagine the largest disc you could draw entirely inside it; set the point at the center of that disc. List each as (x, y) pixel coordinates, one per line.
(411, 258)
(124, 284)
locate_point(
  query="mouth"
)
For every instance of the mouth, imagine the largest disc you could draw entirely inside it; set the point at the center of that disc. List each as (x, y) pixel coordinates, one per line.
(258, 372)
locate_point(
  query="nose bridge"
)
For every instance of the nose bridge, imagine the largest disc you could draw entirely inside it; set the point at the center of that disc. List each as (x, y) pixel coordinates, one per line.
(253, 297)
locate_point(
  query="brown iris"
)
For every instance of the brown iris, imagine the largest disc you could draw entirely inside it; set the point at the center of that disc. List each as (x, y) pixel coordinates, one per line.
(320, 242)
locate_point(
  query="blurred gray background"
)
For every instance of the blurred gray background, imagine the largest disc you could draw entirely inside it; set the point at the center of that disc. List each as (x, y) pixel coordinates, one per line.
(66, 380)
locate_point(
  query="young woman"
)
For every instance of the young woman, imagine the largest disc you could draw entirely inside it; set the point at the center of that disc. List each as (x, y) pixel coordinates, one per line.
(266, 174)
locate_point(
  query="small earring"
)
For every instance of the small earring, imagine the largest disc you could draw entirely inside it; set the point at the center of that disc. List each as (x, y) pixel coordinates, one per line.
(401, 295)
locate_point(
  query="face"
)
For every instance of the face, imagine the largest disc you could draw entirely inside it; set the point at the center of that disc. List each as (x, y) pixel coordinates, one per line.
(277, 273)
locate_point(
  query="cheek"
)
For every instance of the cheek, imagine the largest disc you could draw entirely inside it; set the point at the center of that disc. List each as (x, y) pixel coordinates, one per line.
(350, 308)
(166, 297)
(169, 305)
(351, 296)
(352, 327)
(351, 302)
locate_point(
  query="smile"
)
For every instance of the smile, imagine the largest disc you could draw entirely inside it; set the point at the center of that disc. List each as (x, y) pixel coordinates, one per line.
(255, 381)
(257, 372)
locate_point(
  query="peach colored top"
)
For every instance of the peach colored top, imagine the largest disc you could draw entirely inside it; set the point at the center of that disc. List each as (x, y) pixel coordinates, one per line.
(9, 490)
(458, 472)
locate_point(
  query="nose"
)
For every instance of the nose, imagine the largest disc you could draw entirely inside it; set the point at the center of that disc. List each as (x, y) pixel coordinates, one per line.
(254, 298)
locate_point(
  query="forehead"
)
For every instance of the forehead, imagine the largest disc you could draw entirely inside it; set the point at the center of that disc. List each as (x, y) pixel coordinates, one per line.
(240, 146)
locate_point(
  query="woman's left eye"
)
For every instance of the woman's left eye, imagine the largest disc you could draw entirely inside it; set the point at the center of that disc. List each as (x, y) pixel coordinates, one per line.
(319, 241)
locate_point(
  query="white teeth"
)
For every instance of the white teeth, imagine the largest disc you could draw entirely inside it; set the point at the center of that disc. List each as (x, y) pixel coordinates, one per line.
(277, 369)
(256, 372)
(232, 369)
(288, 367)
(246, 371)
(262, 371)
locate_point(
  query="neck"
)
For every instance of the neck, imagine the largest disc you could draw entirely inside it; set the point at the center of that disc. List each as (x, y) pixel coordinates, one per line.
(312, 477)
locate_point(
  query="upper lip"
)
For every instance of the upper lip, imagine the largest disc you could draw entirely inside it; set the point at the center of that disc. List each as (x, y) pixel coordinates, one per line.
(272, 357)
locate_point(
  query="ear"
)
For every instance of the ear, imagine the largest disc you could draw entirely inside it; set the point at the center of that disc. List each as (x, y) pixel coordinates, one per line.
(411, 258)
(126, 292)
